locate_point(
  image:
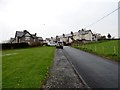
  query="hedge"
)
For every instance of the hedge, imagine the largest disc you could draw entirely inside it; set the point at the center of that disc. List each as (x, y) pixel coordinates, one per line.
(13, 45)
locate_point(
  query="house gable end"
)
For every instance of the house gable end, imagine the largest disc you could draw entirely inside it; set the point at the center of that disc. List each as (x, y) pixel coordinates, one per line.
(19, 34)
(27, 34)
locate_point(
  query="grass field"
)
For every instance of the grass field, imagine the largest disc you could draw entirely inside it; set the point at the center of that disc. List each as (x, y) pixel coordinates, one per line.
(26, 68)
(108, 49)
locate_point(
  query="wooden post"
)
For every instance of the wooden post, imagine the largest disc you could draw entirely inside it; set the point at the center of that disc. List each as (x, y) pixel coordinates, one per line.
(95, 48)
(103, 49)
(114, 50)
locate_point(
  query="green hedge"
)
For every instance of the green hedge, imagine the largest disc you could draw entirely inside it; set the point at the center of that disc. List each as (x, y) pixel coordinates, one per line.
(13, 45)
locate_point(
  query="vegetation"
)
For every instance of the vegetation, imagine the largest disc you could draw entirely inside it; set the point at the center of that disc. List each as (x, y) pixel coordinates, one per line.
(26, 68)
(14, 45)
(109, 36)
(107, 48)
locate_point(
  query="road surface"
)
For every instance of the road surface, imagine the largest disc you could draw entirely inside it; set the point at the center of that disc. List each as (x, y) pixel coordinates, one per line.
(96, 71)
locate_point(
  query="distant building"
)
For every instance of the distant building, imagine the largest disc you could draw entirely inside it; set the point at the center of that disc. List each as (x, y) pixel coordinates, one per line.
(26, 37)
(83, 35)
(47, 40)
(86, 35)
(65, 39)
(96, 37)
(12, 40)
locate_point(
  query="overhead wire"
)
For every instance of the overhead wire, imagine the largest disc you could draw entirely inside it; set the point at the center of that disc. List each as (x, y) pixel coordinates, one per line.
(102, 18)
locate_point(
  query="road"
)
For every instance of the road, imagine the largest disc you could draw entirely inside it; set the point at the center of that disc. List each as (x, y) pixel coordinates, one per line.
(96, 71)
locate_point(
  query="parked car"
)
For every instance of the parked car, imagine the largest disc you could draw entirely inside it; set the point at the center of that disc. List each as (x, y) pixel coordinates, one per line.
(59, 45)
(51, 44)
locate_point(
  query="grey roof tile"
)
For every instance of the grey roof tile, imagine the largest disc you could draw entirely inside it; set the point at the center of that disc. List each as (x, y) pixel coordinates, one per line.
(19, 33)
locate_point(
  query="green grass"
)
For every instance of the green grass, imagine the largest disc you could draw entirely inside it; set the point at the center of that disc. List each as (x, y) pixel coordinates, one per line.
(28, 68)
(108, 49)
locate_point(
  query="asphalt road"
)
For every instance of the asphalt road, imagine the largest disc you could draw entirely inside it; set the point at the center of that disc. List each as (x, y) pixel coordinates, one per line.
(96, 71)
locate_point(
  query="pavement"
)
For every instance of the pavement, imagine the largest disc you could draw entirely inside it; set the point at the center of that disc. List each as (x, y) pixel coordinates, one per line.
(96, 71)
(62, 74)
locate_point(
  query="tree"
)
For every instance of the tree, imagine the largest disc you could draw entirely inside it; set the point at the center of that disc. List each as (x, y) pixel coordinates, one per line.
(63, 35)
(102, 38)
(71, 33)
(79, 31)
(51, 37)
(109, 36)
(57, 38)
(82, 29)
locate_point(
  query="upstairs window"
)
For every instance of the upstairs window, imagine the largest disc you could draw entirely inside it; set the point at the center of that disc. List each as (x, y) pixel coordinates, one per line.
(27, 38)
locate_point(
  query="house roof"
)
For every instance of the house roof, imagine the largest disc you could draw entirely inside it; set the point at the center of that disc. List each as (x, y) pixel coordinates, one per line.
(47, 39)
(19, 34)
(12, 39)
(34, 35)
(40, 38)
(22, 33)
(67, 35)
(76, 33)
(83, 32)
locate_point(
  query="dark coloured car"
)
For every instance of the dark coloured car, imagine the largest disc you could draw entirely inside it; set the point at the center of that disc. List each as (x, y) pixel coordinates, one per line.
(59, 45)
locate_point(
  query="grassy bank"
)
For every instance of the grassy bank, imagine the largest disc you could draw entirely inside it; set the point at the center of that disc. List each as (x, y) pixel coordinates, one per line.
(26, 68)
(108, 49)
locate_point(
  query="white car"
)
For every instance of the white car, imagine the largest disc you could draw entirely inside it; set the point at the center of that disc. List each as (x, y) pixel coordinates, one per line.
(51, 44)
(59, 45)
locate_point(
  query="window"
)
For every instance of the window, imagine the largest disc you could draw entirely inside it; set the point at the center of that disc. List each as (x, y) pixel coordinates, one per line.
(27, 38)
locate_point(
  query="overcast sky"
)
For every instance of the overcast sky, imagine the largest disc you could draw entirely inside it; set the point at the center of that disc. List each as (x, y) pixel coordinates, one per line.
(54, 17)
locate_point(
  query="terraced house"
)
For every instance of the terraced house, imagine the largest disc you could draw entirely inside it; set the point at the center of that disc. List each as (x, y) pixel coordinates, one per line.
(81, 35)
(86, 35)
(26, 37)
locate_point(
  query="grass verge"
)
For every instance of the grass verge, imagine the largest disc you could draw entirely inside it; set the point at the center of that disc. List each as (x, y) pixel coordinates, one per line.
(108, 49)
(26, 68)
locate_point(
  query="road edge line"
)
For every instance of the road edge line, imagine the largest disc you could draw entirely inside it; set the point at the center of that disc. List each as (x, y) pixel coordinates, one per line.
(79, 76)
